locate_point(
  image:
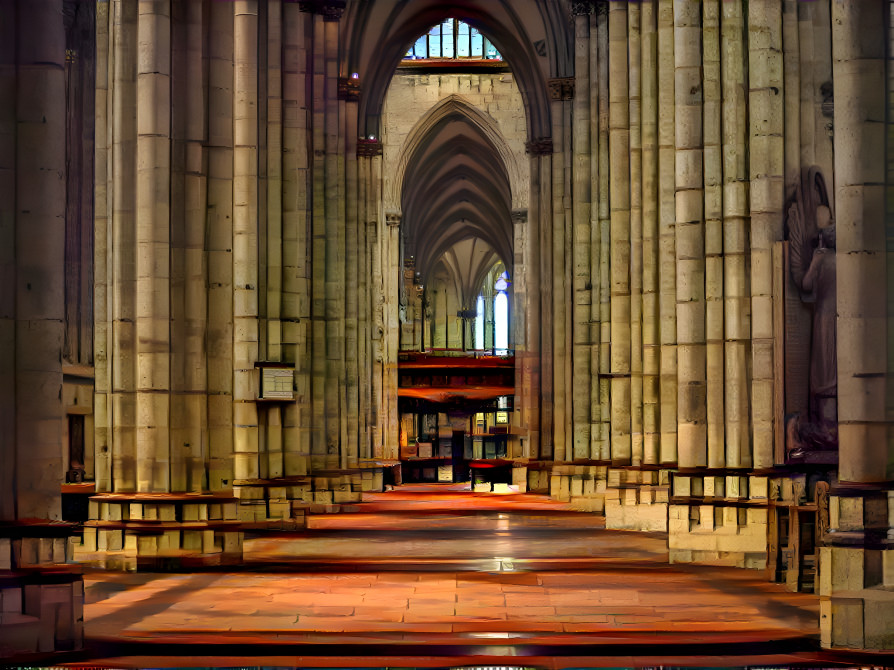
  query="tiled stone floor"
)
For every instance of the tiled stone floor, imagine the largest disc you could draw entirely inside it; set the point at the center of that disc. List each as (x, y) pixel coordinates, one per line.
(599, 605)
(518, 587)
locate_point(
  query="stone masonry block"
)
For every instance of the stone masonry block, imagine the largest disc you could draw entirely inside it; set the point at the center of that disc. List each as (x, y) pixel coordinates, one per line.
(758, 487)
(682, 486)
(878, 613)
(847, 622)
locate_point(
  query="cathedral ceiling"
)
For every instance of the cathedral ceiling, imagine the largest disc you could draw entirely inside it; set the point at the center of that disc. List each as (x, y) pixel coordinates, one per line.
(455, 188)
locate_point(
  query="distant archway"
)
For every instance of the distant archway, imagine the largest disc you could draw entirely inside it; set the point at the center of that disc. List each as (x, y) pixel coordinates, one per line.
(455, 107)
(454, 181)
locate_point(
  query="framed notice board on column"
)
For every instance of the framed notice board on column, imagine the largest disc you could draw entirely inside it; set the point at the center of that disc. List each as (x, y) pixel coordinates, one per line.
(277, 381)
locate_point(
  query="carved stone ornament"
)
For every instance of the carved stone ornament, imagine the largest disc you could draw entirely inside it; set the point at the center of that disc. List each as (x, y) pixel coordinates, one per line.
(561, 88)
(392, 218)
(542, 146)
(519, 216)
(812, 417)
(601, 7)
(348, 89)
(330, 10)
(583, 7)
(368, 148)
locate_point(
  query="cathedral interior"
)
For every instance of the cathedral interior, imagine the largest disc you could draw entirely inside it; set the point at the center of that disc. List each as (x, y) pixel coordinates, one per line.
(381, 333)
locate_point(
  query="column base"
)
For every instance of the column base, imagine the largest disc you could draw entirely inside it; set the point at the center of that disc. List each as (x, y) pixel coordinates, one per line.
(161, 531)
(858, 620)
(857, 569)
(41, 593)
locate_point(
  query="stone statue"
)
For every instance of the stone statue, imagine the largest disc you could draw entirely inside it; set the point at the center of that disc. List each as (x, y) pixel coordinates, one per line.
(811, 232)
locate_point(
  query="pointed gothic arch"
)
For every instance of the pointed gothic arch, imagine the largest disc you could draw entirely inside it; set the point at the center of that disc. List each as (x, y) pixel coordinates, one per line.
(455, 106)
(377, 41)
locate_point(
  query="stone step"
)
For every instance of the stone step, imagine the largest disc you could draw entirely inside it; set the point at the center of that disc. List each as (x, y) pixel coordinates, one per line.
(19, 633)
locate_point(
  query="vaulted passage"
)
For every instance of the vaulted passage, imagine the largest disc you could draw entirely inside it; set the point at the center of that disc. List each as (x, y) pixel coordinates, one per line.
(456, 188)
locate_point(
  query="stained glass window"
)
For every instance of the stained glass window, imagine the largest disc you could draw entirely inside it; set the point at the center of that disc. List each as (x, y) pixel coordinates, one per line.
(501, 322)
(454, 40)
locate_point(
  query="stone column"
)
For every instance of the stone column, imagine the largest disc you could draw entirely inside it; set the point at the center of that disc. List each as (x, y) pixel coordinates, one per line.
(713, 234)
(815, 78)
(274, 431)
(667, 269)
(189, 308)
(220, 246)
(540, 286)
(317, 207)
(736, 308)
(619, 198)
(153, 282)
(649, 191)
(349, 92)
(792, 63)
(582, 291)
(245, 238)
(365, 308)
(635, 74)
(388, 287)
(334, 228)
(295, 307)
(373, 298)
(690, 236)
(857, 559)
(8, 259)
(527, 360)
(601, 239)
(102, 241)
(858, 70)
(122, 252)
(766, 150)
(561, 92)
(33, 126)
(377, 232)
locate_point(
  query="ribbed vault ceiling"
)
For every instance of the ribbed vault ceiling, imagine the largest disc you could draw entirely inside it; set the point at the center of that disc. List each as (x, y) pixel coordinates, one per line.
(468, 263)
(456, 190)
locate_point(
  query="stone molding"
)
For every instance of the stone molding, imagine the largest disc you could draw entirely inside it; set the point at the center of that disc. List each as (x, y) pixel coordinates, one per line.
(368, 148)
(348, 89)
(583, 7)
(330, 10)
(541, 146)
(561, 88)
(393, 218)
(519, 216)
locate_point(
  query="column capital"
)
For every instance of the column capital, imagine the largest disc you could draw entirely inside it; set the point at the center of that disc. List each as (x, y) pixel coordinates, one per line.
(330, 10)
(583, 7)
(561, 88)
(367, 148)
(349, 89)
(519, 216)
(393, 219)
(541, 146)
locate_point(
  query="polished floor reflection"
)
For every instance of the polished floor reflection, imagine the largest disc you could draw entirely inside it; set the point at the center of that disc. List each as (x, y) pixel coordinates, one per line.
(422, 579)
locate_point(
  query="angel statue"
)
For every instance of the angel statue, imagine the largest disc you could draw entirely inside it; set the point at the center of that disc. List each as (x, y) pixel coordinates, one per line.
(811, 232)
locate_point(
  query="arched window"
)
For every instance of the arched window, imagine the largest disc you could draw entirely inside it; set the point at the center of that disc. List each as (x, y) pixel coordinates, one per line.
(501, 322)
(479, 323)
(501, 313)
(453, 39)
